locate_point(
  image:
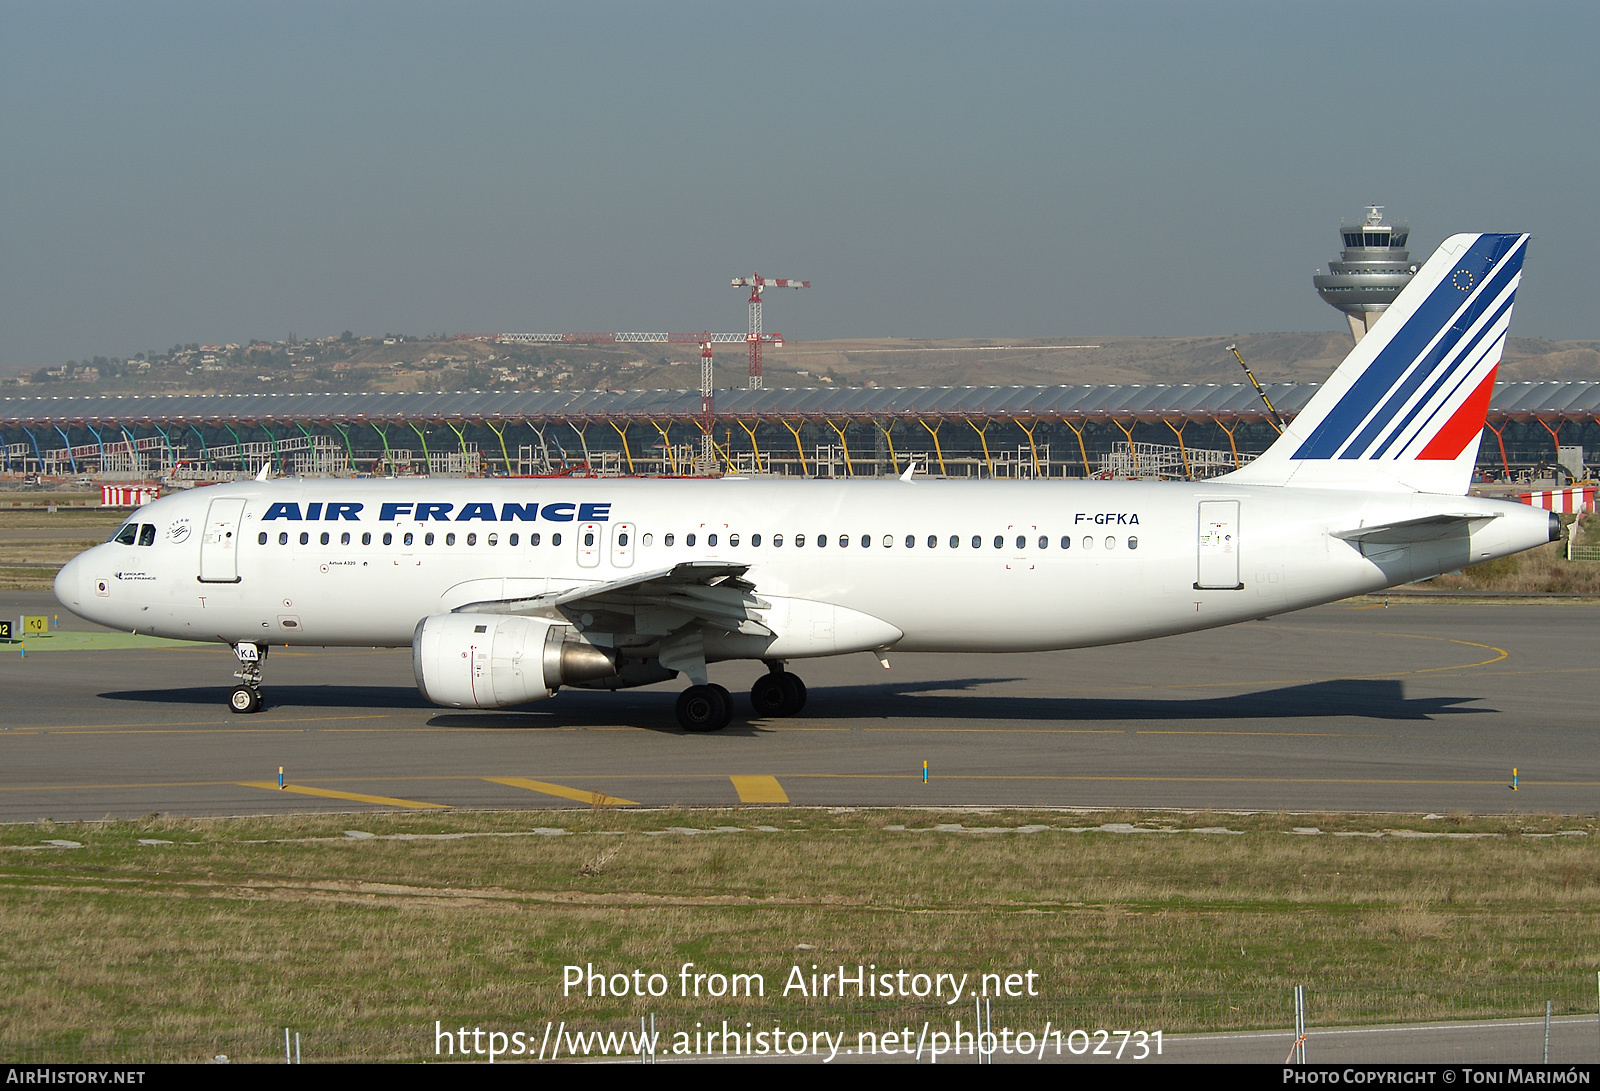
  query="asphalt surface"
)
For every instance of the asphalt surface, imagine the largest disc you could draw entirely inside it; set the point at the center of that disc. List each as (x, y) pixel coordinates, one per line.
(1415, 708)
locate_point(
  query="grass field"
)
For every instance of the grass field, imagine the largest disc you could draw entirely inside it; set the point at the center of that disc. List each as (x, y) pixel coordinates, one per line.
(170, 938)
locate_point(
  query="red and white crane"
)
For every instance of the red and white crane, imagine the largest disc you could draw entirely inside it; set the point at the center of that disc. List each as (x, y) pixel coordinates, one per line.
(758, 284)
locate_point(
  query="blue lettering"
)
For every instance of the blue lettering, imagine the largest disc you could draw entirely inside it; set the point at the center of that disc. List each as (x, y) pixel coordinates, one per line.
(341, 510)
(526, 513)
(476, 511)
(282, 511)
(599, 513)
(559, 513)
(1134, 518)
(314, 511)
(393, 511)
(433, 511)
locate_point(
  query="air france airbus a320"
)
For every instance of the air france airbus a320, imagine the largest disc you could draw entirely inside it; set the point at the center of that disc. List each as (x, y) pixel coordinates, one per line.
(508, 590)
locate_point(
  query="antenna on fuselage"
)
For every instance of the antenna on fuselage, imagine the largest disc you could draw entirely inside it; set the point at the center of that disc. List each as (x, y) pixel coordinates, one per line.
(266, 471)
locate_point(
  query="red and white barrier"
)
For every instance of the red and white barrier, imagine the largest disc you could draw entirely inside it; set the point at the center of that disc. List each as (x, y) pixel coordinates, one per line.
(128, 496)
(1580, 498)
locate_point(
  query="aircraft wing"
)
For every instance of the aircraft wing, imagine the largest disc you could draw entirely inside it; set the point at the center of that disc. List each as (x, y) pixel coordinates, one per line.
(655, 603)
(1407, 531)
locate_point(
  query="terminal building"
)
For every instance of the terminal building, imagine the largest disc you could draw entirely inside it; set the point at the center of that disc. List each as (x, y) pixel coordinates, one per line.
(1178, 431)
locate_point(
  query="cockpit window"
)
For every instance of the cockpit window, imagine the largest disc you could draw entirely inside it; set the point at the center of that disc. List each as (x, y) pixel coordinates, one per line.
(127, 534)
(147, 534)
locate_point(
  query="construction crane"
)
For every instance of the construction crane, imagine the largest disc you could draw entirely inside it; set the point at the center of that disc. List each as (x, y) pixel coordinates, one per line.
(758, 284)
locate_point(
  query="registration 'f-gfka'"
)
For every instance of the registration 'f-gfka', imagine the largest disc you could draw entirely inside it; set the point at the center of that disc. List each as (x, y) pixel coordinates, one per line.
(508, 590)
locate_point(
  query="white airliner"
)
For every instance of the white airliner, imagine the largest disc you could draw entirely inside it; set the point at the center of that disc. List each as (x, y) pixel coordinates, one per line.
(507, 590)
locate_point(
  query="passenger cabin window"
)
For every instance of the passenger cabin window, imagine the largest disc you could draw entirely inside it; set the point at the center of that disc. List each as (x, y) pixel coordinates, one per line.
(283, 537)
(427, 539)
(324, 539)
(711, 540)
(472, 539)
(733, 540)
(755, 540)
(388, 539)
(667, 539)
(688, 539)
(127, 534)
(999, 541)
(509, 541)
(305, 537)
(1066, 543)
(450, 539)
(261, 539)
(555, 539)
(799, 541)
(777, 541)
(1133, 543)
(1044, 543)
(366, 537)
(977, 542)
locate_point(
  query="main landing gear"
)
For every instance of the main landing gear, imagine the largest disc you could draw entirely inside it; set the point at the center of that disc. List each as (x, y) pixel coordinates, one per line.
(246, 697)
(710, 707)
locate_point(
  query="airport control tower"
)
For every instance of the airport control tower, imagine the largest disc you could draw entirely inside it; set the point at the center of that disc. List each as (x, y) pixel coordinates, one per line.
(1372, 269)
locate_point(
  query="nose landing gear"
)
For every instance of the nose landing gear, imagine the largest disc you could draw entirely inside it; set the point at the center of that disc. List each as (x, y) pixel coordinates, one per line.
(246, 697)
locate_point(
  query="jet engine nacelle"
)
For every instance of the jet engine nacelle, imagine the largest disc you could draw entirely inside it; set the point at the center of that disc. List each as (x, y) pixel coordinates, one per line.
(494, 660)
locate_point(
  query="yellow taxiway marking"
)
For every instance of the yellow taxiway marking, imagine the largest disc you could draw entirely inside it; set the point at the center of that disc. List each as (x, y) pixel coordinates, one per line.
(329, 793)
(1274, 734)
(759, 790)
(598, 798)
(1010, 730)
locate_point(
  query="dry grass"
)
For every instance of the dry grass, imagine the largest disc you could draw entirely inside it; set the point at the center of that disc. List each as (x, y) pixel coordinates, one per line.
(1536, 571)
(35, 543)
(219, 934)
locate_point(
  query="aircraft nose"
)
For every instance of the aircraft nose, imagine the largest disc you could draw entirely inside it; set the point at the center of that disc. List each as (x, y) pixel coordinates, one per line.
(69, 583)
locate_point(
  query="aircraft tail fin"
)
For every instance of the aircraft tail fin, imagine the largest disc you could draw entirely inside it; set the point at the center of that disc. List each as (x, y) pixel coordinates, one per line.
(1406, 409)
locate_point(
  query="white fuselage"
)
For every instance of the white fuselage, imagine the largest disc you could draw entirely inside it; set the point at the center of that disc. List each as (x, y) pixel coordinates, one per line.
(1034, 565)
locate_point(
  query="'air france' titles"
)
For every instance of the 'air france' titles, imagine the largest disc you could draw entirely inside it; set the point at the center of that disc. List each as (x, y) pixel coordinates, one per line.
(430, 511)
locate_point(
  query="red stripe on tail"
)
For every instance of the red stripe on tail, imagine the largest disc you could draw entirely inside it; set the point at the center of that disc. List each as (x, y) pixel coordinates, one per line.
(1463, 426)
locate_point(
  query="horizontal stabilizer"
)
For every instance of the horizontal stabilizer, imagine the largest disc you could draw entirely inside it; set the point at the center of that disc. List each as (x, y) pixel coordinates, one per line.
(1429, 528)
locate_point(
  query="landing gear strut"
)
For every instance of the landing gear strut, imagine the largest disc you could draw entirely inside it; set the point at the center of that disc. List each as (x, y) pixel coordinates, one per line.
(246, 697)
(778, 693)
(704, 708)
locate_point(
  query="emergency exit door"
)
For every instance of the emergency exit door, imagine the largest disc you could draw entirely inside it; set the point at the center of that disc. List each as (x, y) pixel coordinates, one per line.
(1218, 566)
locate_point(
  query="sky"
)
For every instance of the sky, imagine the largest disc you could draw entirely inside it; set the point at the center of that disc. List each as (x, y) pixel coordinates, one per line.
(213, 172)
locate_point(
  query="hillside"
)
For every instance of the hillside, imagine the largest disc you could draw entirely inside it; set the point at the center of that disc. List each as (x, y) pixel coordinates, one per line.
(436, 363)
